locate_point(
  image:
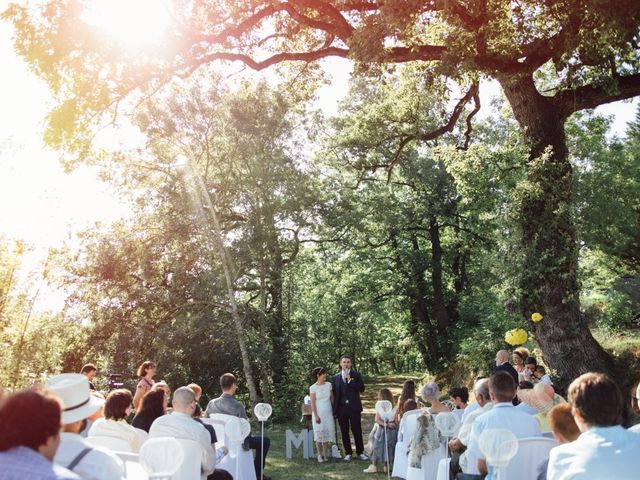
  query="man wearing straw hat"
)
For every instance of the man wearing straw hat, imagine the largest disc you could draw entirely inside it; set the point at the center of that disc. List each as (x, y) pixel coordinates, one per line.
(75, 453)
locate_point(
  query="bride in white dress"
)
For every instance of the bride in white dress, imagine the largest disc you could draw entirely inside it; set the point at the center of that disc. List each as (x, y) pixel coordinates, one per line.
(324, 429)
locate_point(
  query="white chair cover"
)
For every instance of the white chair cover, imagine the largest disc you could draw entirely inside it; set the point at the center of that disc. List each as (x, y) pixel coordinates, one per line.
(531, 452)
(132, 468)
(142, 435)
(110, 443)
(443, 469)
(191, 467)
(405, 432)
(429, 469)
(237, 456)
(218, 426)
(162, 457)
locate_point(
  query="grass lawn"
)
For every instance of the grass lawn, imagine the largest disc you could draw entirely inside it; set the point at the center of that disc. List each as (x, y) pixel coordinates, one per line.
(280, 468)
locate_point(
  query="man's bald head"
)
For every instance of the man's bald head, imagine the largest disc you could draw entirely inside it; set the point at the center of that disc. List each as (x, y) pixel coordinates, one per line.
(183, 400)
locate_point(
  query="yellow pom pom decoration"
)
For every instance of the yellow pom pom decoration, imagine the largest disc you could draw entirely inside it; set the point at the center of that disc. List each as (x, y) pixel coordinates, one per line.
(536, 317)
(517, 336)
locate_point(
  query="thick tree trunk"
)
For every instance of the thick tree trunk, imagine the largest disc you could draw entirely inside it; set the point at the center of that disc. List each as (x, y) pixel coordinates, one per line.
(549, 272)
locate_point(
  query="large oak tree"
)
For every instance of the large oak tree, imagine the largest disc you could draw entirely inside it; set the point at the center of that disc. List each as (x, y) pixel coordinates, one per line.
(551, 57)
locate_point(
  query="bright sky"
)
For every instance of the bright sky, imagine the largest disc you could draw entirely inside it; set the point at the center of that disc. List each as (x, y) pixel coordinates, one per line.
(42, 204)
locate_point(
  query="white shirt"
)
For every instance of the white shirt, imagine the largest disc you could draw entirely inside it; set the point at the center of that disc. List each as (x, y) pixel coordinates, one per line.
(465, 434)
(181, 425)
(546, 379)
(470, 409)
(502, 415)
(635, 428)
(98, 464)
(599, 453)
(117, 429)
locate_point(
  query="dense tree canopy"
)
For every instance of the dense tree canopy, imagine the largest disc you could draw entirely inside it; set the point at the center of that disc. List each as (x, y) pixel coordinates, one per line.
(552, 58)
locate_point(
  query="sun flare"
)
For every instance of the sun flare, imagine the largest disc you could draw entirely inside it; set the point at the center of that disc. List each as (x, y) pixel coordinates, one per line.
(133, 23)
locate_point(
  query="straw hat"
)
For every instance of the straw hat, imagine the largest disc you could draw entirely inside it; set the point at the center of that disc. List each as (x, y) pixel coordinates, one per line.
(77, 402)
(542, 398)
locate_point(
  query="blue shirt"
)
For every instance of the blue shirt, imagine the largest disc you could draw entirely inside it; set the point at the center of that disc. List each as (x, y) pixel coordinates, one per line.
(24, 463)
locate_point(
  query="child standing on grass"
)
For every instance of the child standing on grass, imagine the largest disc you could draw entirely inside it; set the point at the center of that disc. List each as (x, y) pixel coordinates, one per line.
(377, 449)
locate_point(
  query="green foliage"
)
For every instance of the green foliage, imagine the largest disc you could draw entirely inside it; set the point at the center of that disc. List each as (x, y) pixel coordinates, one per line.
(34, 343)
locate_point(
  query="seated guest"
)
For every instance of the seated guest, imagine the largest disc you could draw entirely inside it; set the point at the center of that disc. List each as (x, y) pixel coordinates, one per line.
(197, 389)
(162, 386)
(90, 371)
(604, 448)
(541, 375)
(431, 395)
(458, 445)
(541, 398)
(564, 430)
(502, 389)
(472, 406)
(228, 405)
(74, 452)
(95, 416)
(197, 416)
(114, 424)
(180, 424)
(29, 437)
(523, 387)
(152, 406)
(459, 397)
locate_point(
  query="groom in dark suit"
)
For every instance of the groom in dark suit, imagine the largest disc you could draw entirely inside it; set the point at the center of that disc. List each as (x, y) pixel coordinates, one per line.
(347, 387)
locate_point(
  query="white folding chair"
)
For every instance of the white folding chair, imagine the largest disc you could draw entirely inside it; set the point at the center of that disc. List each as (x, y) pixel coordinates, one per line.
(531, 452)
(132, 468)
(110, 443)
(245, 467)
(405, 432)
(162, 457)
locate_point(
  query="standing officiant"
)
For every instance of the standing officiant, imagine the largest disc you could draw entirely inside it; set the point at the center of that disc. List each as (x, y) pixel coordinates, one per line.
(347, 387)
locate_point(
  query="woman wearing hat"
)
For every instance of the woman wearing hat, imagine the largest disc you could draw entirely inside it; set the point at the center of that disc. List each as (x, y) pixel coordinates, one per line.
(542, 398)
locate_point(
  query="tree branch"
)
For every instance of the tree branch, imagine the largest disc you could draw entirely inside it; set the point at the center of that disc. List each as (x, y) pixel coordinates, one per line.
(476, 109)
(448, 127)
(590, 96)
(274, 59)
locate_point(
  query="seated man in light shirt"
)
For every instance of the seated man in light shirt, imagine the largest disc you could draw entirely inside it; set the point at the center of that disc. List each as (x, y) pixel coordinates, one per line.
(604, 448)
(180, 424)
(502, 389)
(74, 452)
(459, 443)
